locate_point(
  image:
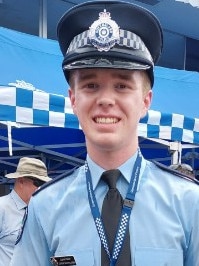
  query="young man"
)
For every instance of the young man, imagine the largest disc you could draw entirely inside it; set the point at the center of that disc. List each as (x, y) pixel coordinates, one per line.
(31, 173)
(109, 50)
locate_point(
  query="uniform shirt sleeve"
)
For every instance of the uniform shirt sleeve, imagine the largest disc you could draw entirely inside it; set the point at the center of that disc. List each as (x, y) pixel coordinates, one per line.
(192, 254)
(1, 221)
(2, 216)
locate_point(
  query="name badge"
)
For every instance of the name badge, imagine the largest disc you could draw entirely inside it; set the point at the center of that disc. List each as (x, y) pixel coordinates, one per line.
(63, 261)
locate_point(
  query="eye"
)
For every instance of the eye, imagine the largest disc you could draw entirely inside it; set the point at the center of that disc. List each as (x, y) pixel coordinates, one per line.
(91, 86)
(120, 86)
(88, 85)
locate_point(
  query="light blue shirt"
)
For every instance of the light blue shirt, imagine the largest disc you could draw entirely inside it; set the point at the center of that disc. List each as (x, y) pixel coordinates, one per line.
(11, 216)
(163, 225)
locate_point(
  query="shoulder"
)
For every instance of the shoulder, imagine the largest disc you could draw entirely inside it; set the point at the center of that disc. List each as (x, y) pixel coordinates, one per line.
(178, 174)
(58, 181)
(5, 204)
(176, 188)
(4, 199)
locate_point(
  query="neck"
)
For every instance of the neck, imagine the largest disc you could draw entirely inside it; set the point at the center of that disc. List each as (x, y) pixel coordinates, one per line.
(20, 192)
(111, 159)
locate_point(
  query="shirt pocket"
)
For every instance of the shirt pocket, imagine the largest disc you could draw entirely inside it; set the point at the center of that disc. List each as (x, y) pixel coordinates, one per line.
(158, 257)
(82, 257)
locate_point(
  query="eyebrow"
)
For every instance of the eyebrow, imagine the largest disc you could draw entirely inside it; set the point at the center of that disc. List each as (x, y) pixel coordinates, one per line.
(124, 76)
(84, 75)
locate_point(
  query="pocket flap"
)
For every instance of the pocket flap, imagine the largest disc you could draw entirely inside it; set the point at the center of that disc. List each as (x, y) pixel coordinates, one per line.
(158, 257)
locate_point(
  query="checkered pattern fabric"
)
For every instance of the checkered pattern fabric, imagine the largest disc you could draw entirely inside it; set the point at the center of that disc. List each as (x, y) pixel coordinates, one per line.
(33, 107)
(36, 107)
(127, 38)
(175, 127)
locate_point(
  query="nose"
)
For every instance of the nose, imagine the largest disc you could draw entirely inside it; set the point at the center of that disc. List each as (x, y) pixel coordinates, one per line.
(106, 98)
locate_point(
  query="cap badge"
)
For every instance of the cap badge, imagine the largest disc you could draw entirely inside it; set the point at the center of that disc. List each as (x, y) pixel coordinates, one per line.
(104, 32)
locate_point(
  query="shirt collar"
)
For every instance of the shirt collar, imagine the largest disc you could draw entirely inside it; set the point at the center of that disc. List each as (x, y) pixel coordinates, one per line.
(126, 169)
(95, 170)
(18, 201)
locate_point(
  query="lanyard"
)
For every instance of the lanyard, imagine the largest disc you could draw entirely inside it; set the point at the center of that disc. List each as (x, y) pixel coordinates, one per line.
(125, 215)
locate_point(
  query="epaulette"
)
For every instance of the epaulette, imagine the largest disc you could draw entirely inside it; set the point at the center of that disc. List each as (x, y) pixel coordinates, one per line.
(177, 173)
(53, 181)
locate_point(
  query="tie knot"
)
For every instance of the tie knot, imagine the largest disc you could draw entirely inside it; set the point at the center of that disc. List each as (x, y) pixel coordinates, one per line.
(110, 177)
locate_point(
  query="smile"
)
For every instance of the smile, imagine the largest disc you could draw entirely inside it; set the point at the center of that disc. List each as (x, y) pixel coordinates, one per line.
(106, 120)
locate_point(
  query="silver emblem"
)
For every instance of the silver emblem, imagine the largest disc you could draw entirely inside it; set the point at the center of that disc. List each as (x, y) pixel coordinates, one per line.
(104, 32)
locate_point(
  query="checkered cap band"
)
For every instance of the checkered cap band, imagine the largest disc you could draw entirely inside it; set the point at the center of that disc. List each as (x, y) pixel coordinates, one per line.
(127, 39)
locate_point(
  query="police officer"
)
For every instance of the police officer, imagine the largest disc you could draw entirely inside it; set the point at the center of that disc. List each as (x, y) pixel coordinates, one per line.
(109, 50)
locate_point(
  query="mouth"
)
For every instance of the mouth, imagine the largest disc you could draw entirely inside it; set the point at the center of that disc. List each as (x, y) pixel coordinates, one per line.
(106, 120)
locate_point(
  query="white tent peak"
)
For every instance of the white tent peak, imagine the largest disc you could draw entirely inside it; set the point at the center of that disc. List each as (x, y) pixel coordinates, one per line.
(23, 85)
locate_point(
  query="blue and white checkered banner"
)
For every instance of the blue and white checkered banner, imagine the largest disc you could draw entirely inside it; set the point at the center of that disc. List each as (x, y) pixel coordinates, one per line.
(174, 127)
(38, 108)
(35, 107)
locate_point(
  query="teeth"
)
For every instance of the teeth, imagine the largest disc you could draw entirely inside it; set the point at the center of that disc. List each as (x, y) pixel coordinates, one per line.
(108, 120)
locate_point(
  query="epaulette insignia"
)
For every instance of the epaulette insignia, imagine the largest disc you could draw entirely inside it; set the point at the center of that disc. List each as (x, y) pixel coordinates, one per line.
(53, 181)
(177, 173)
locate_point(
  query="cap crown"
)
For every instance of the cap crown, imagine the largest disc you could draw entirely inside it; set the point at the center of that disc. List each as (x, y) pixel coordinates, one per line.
(128, 16)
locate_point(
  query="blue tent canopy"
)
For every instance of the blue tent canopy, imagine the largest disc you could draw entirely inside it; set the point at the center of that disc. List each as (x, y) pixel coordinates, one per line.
(39, 108)
(38, 97)
(37, 61)
(43, 124)
(31, 59)
(176, 91)
(38, 124)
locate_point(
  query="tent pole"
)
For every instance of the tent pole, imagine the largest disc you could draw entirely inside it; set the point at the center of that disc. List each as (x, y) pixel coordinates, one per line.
(43, 18)
(176, 152)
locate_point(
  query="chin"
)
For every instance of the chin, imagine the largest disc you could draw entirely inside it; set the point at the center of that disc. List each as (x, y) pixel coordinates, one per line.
(107, 144)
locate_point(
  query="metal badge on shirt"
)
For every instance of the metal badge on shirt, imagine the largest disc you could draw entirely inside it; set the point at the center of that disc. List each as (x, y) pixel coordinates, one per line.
(63, 261)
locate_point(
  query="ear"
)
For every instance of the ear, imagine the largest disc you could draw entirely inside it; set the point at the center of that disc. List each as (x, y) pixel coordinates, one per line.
(72, 99)
(20, 180)
(147, 102)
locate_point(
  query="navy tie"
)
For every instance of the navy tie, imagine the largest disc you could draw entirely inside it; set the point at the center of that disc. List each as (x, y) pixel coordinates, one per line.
(111, 212)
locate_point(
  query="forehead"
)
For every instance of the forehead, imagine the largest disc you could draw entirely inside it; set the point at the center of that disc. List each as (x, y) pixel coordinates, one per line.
(111, 73)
